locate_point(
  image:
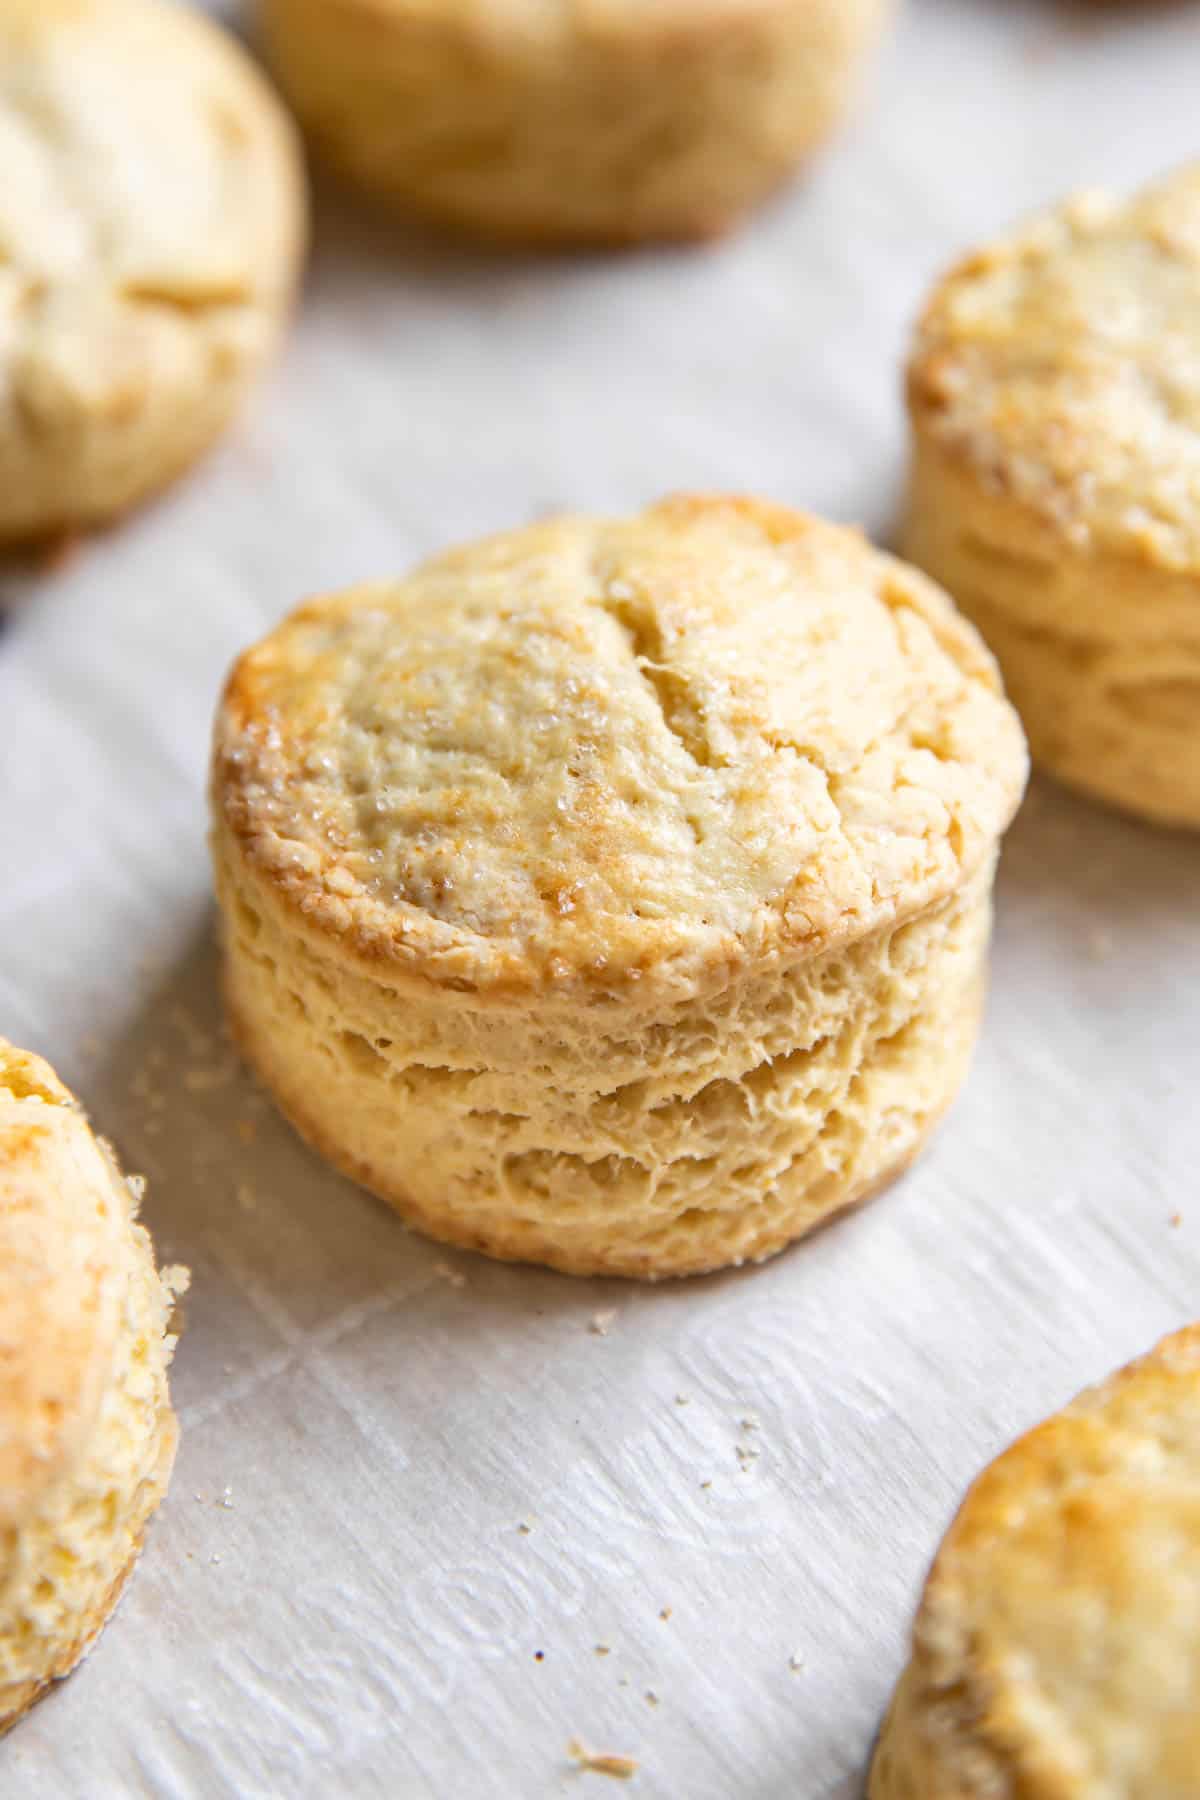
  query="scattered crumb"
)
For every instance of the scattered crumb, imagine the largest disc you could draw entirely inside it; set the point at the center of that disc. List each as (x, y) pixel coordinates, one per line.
(604, 1762)
(199, 1042)
(682, 1400)
(452, 1277)
(651, 1697)
(1175, 1220)
(200, 1081)
(706, 1484)
(601, 1321)
(795, 1662)
(215, 1557)
(746, 1454)
(246, 1129)
(602, 1650)
(665, 1613)
(539, 1656)
(749, 1423)
(524, 1529)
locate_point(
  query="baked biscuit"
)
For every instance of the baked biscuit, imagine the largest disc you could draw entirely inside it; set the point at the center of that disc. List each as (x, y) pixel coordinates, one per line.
(615, 894)
(1056, 1652)
(87, 1435)
(1055, 399)
(151, 223)
(600, 121)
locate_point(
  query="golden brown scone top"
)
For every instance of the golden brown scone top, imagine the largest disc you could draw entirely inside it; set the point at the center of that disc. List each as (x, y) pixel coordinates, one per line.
(148, 203)
(1063, 365)
(617, 751)
(1058, 1644)
(64, 1216)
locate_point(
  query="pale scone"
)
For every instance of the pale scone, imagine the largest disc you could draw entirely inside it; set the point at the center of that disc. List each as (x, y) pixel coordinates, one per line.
(87, 1435)
(151, 224)
(1055, 398)
(615, 893)
(1056, 1652)
(600, 120)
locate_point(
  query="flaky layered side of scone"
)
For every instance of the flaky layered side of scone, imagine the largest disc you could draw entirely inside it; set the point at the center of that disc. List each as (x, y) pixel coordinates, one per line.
(1056, 1652)
(87, 1435)
(151, 225)
(1054, 389)
(613, 120)
(615, 894)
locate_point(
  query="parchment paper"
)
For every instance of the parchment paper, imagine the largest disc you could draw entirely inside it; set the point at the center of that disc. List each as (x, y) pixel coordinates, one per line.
(340, 1595)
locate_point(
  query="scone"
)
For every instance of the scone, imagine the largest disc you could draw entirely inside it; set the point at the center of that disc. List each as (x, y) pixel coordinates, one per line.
(87, 1435)
(1056, 1652)
(1055, 399)
(539, 121)
(151, 225)
(615, 894)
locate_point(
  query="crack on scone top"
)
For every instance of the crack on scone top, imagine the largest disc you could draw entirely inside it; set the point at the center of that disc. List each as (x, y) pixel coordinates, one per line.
(683, 716)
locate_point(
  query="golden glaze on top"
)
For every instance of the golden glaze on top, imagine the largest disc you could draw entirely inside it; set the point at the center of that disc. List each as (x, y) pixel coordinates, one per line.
(1063, 365)
(617, 750)
(61, 1278)
(1056, 1654)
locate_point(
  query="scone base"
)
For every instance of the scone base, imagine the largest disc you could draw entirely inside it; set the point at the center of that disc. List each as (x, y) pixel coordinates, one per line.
(521, 1240)
(1099, 702)
(17, 1699)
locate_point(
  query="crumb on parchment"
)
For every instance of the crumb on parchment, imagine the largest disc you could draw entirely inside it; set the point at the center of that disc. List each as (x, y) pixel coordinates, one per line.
(602, 1762)
(601, 1321)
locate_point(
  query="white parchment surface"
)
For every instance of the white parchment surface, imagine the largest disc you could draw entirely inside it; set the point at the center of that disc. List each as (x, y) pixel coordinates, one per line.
(417, 1493)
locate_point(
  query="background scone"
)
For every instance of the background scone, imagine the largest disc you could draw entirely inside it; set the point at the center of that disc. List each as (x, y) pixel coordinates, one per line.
(87, 1435)
(151, 224)
(610, 120)
(1056, 1652)
(615, 894)
(1055, 399)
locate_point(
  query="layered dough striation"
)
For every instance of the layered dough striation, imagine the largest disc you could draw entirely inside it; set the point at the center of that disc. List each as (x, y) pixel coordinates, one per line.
(151, 225)
(87, 1435)
(615, 894)
(1055, 398)
(610, 120)
(1056, 1652)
